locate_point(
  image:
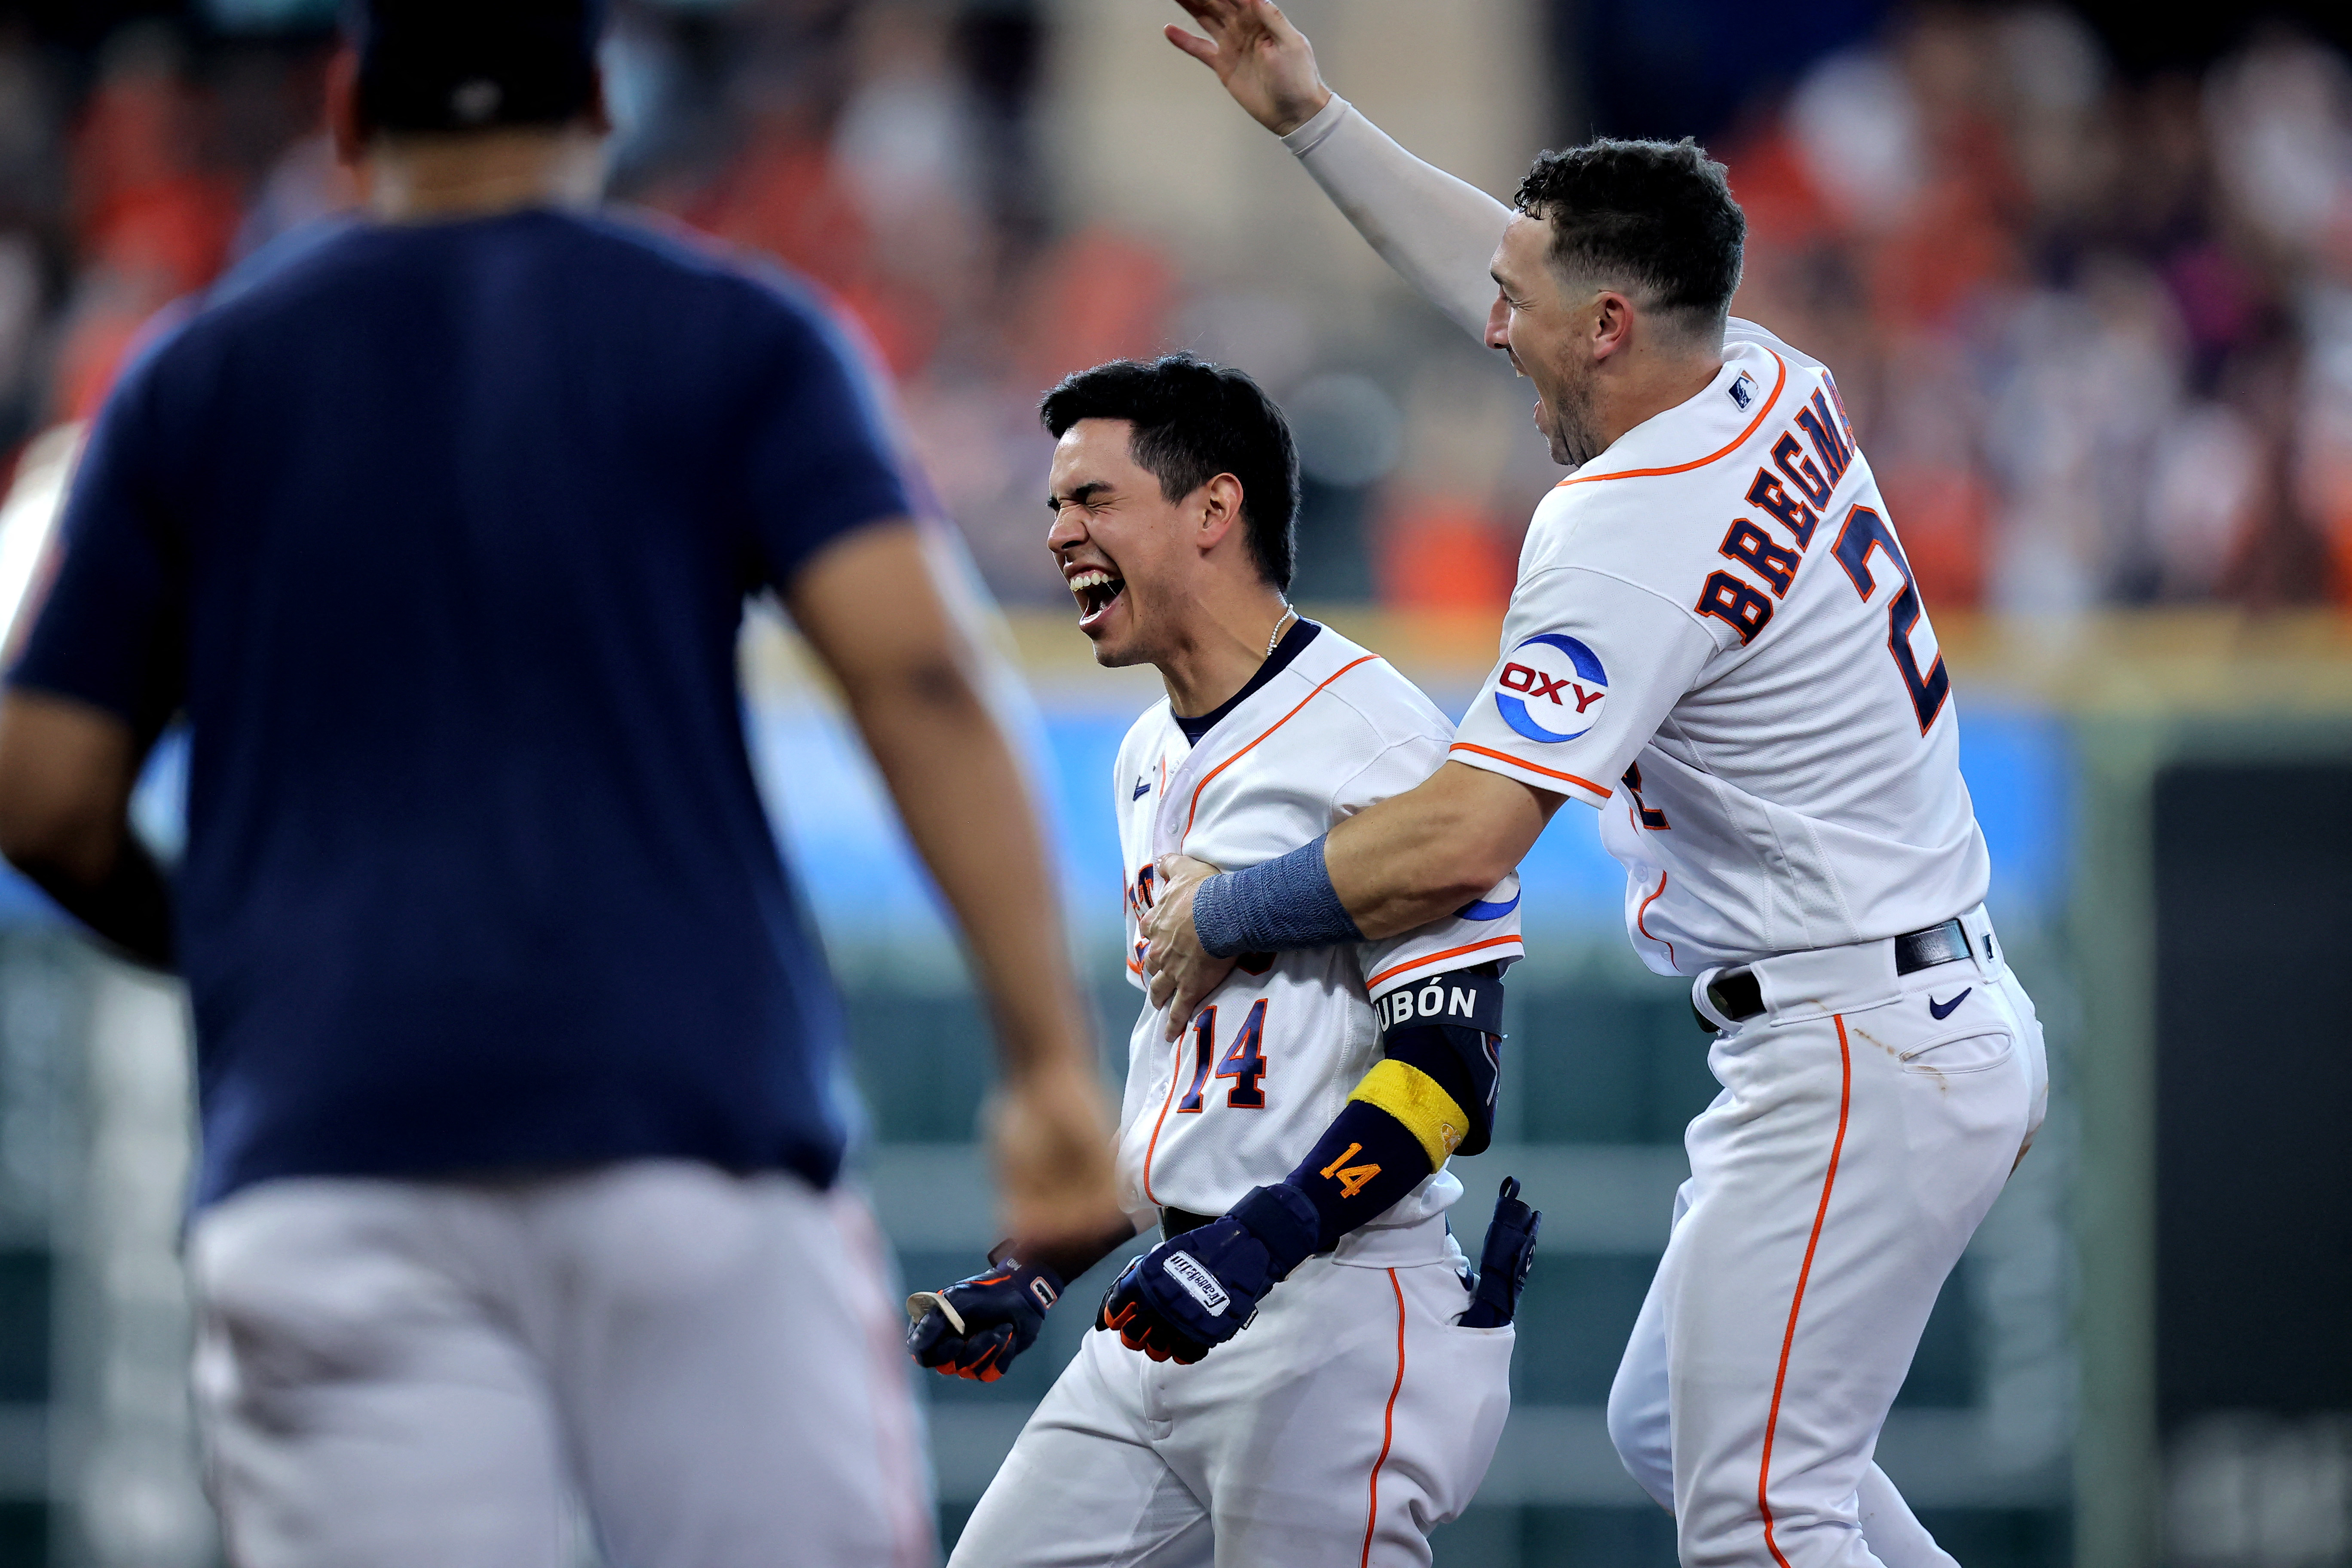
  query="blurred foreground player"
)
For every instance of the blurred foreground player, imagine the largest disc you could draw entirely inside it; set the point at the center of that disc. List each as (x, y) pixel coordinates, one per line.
(1715, 641)
(518, 1061)
(1316, 1384)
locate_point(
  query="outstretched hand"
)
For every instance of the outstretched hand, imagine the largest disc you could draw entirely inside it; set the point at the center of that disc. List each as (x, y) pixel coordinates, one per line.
(1264, 62)
(1179, 970)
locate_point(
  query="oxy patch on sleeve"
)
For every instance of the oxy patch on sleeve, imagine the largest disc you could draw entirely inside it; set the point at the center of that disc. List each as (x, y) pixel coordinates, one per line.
(1553, 689)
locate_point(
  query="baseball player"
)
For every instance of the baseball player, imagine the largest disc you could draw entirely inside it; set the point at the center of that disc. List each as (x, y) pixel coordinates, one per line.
(1316, 1384)
(1715, 642)
(518, 1061)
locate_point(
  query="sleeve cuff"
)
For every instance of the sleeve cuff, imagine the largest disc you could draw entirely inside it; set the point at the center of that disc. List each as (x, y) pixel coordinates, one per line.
(1407, 972)
(1552, 780)
(1324, 120)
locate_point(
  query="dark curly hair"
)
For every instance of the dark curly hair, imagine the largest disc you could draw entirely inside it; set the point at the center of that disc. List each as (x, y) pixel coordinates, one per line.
(1658, 214)
(1194, 420)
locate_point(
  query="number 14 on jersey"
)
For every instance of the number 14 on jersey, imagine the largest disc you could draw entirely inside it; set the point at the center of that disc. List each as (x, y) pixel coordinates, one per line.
(1244, 1061)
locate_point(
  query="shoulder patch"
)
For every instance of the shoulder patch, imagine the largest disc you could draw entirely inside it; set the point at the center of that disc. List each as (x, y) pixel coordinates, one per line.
(1552, 688)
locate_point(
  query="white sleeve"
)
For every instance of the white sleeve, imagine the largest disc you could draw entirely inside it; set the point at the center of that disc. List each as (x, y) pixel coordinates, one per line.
(1590, 667)
(1438, 232)
(1485, 931)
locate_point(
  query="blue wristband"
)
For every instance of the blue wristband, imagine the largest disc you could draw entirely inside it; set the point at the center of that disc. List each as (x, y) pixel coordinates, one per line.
(1280, 905)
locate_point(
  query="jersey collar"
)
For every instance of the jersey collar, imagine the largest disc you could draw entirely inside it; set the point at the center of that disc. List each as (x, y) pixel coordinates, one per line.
(1709, 426)
(1293, 643)
(1254, 715)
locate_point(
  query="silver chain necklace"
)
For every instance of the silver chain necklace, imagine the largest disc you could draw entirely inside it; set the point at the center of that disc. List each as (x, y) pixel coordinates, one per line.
(1289, 615)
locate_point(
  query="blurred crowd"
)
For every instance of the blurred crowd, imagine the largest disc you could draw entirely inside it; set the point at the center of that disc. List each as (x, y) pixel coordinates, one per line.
(2096, 330)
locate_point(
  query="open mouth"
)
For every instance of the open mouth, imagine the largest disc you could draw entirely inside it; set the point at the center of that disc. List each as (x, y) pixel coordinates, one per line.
(1097, 591)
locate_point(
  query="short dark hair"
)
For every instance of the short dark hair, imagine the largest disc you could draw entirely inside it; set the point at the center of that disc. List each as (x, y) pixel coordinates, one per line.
(1194, 420)
(469, 65)
(1657, 214)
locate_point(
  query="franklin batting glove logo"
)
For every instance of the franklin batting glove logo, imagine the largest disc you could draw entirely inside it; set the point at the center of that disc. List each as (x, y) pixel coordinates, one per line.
(1198, 1282)
(1553, 689)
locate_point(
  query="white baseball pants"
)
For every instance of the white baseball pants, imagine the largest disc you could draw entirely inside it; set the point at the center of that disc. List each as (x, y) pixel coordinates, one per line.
(391, 1373)
(1866, 1123)
(1336, 1431)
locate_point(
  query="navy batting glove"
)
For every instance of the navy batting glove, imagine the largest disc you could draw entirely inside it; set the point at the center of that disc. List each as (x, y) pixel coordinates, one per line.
(975, 1327)
(1194, 1292)
(1503, 1262)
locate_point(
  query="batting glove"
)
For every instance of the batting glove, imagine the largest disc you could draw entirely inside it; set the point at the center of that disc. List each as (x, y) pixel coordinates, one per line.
(974, 1328)
(1194, 1292)
(1503, 1265)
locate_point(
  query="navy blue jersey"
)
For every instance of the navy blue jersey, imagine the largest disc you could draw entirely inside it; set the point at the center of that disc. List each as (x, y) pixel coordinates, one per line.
(440, 536)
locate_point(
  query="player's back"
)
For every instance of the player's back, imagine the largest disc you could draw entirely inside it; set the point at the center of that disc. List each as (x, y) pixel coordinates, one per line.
(1769, 673)
(466, 514)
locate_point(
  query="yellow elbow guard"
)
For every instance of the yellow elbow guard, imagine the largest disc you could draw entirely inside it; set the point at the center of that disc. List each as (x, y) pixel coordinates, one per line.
(1419, 1101)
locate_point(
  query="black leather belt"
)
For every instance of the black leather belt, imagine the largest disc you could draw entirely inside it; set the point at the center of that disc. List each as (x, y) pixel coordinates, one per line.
(1738, 997)
(1175, 1223)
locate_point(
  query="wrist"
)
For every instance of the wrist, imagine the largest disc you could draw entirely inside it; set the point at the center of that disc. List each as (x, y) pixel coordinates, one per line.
(1067, 1260)
(1216, 918)
(1307, 132)
(1048, 1056)
(1292, 113)
(1280, 905)
(1285, 1223)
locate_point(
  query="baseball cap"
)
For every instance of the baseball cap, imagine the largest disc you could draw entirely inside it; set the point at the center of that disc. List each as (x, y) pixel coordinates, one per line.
(467, 65)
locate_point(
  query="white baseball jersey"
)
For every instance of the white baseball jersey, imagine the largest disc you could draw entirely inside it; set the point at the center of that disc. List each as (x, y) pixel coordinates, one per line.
(1395, 1407)
(1715, 639)
(1269, 1062)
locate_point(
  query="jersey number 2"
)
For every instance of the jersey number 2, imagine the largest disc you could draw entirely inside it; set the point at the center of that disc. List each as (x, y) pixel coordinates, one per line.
(1244, 1063)
(1864, 532)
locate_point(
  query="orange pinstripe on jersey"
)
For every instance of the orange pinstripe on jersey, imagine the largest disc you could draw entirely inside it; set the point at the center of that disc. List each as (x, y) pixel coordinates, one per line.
(1261, 735)
(1796, 1302)
(1737, 442)
(1152, 1148)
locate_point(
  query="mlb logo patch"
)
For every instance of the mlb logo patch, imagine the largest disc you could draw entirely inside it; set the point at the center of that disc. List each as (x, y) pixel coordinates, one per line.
(1742, 390)
(1553, 689)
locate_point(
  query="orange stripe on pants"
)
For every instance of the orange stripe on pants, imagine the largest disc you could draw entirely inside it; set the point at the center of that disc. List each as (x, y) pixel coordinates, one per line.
(1388, 1424)
(1797, 1302)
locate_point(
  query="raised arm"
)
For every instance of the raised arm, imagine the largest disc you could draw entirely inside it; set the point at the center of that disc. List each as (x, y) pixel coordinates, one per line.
(1438, 232)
